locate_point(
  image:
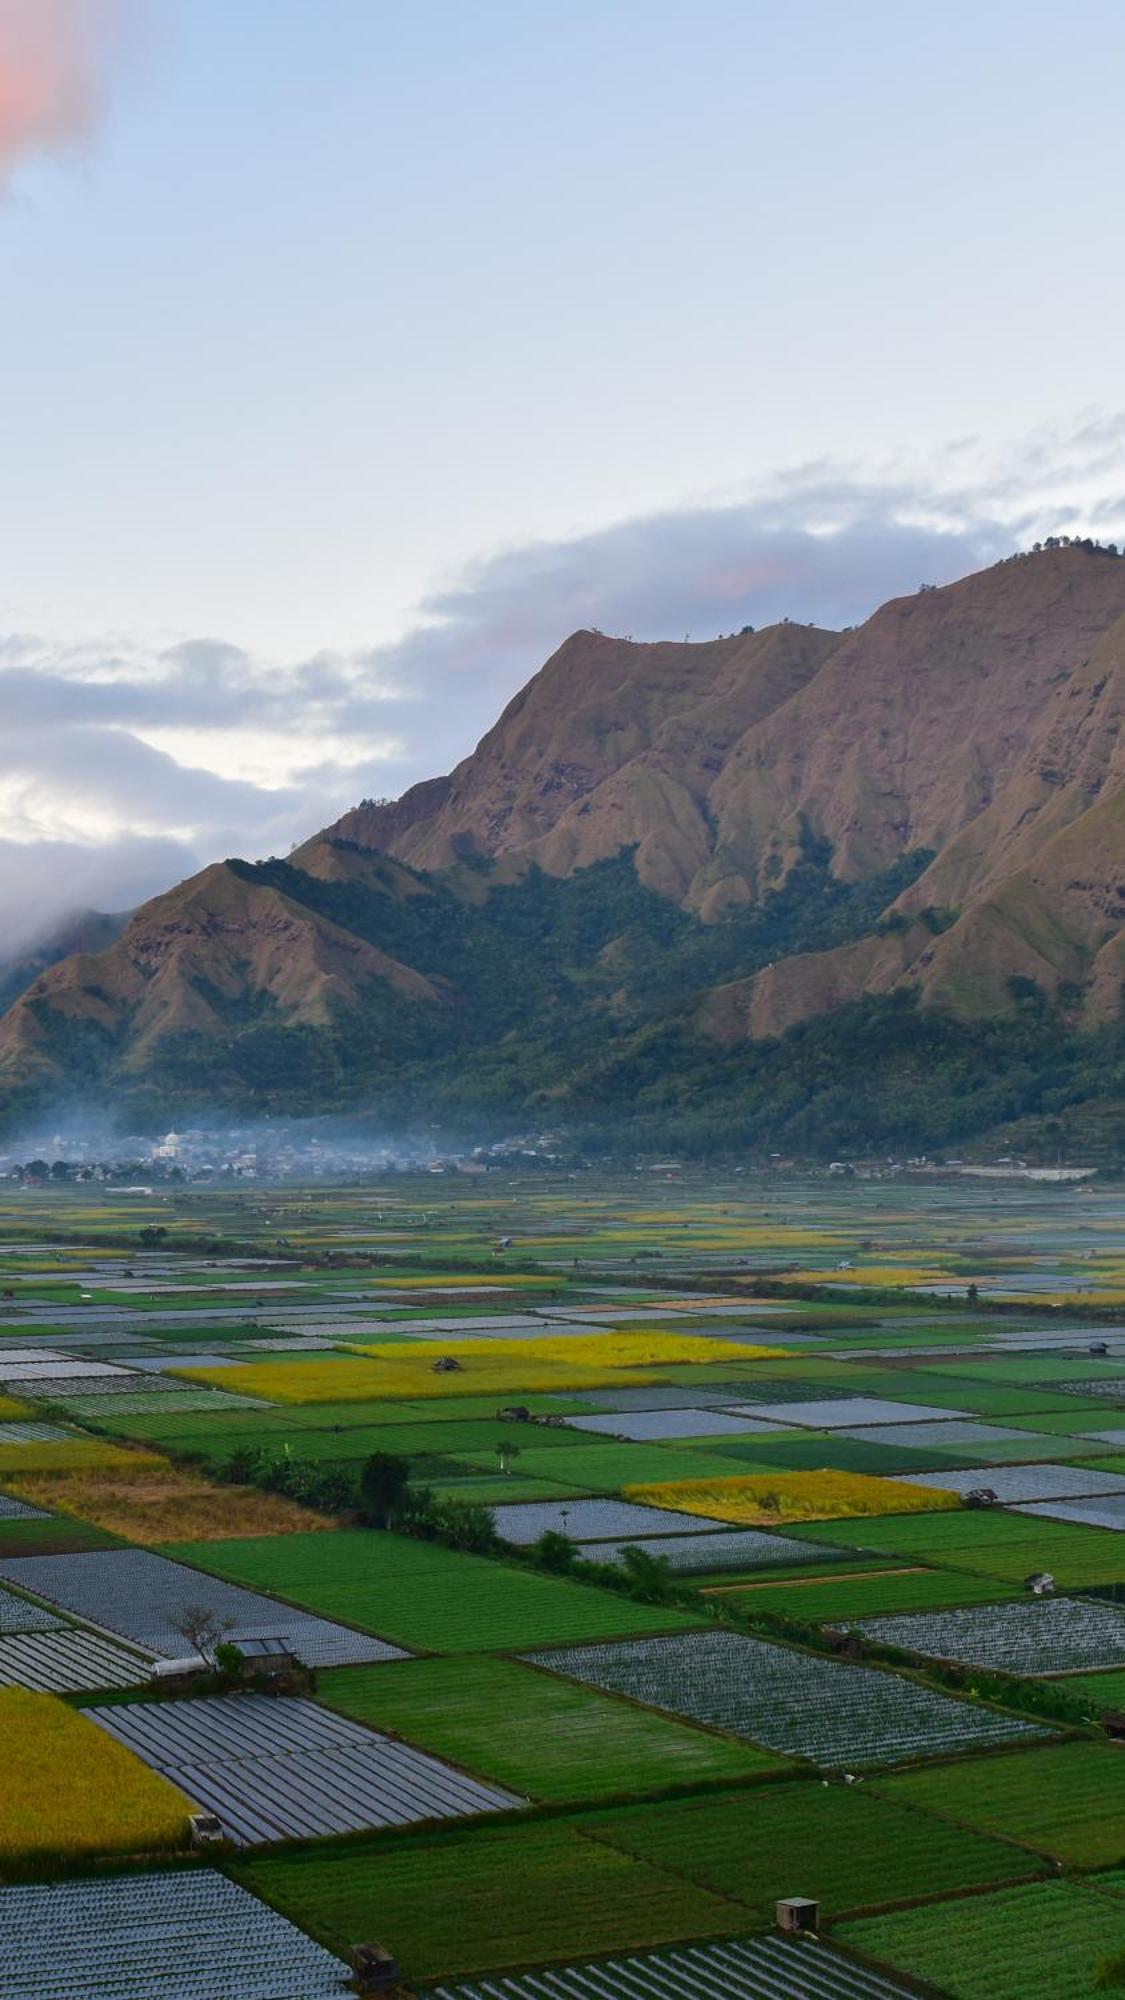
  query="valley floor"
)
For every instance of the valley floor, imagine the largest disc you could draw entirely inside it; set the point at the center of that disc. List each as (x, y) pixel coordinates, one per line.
(763, 1539)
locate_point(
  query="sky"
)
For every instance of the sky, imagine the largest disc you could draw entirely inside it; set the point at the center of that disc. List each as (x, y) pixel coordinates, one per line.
(354, 352)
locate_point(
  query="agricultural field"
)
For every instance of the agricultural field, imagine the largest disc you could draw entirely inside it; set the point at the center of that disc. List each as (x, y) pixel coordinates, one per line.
(160, 1936)
(802, 1705)
(148, 1500)
(1066, 1802)
(145, 1600)
(842, 1845)
(757, 1499)
(830, 1599)
(287, 1769)
(467, 1903)
(739, 1968)
(69, 1790)
(527, 1765)
(1048, 1939)
(1053, 1635)
(553, 1739)
(427, 1598)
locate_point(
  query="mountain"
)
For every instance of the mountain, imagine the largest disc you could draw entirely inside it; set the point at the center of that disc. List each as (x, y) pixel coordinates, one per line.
(674, 877)
(83, 930)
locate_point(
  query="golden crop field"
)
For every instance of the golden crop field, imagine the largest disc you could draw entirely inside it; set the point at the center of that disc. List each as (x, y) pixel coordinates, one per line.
(69, 1789)
(761, 1498)
(486, 1367)
(12, 1410)
(83, 1455)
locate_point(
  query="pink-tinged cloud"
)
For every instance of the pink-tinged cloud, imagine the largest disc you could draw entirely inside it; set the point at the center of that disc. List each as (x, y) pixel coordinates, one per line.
(53, 56)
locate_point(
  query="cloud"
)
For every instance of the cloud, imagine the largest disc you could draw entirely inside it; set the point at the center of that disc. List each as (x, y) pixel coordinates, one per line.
(45, 881)
(123, 766)
(53, 60)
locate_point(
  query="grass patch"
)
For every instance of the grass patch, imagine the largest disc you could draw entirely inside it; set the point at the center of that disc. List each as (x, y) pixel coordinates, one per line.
(606, 1467)
(57, 1536)
(1106, 1690)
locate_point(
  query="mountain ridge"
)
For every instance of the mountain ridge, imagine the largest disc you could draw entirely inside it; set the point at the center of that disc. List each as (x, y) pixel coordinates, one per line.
(743, 835)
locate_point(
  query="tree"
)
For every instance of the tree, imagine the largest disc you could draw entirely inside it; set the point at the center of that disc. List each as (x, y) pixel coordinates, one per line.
(382, 1486)
(506, 1452)
(555, 1551)
(204, 1630)
(650, 1577)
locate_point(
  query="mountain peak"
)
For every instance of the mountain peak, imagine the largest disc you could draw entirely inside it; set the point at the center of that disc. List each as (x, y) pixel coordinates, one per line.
(960, 754)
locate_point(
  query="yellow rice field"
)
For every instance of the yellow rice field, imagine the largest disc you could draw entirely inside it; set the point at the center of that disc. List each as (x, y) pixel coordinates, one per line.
(764, 1498)
(485, 1367)
(11, 1410)
(69, 1789)
(83, 1455)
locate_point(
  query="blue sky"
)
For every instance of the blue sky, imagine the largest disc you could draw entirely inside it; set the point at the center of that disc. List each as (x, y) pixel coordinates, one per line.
(354, 352)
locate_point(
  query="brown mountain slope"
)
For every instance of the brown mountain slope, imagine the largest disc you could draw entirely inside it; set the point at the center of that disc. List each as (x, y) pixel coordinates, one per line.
(185, 960)
(1031, 886)
(981, 723)
(611, 745)
(718, 761)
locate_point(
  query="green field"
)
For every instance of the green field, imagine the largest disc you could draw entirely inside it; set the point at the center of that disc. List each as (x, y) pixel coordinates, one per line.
(1008, 1547)
(1107, 1690)
(425, 1597)
(470, 1903)
(848, 1848)
(857, 1597)
(1067, 1802)
(648, 1874)
(549, 1738)
(1043, 1941)
(598, 1467)
(640, 1828)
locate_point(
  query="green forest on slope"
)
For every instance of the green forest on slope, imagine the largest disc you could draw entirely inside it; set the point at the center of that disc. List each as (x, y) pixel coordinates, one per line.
(572, 1002)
